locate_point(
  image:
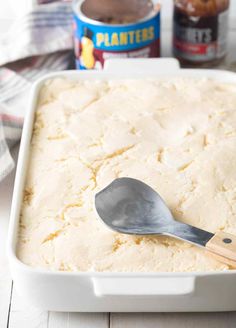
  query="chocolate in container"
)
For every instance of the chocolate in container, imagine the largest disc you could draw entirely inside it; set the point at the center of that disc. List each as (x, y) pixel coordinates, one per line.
(200, 31)
(115, 29)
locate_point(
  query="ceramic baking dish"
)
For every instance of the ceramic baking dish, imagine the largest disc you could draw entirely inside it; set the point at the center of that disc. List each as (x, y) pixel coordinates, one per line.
(110, 292)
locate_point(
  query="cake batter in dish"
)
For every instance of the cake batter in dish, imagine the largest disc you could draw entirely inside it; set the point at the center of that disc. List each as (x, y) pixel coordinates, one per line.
(177, 135)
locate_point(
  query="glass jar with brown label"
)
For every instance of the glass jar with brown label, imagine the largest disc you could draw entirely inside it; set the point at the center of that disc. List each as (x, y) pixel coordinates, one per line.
(200, 31)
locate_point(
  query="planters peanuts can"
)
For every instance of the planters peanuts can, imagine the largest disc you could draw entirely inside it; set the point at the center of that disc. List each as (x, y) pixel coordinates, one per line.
(115, 29)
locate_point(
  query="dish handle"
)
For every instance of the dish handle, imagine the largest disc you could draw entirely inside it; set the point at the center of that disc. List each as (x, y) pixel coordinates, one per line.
(143, 286)
(142, 65)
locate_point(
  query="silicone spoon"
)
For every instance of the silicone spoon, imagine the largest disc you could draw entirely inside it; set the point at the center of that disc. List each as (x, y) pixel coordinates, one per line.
(132, 207)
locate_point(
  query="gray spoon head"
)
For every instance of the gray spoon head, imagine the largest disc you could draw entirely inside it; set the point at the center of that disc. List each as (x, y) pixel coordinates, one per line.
(130, 206)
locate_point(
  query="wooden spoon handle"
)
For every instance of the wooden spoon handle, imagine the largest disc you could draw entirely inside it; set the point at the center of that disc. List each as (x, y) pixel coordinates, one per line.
(223, 244)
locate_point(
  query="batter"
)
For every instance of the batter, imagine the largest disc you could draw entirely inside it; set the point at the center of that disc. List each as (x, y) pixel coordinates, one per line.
(177, 135)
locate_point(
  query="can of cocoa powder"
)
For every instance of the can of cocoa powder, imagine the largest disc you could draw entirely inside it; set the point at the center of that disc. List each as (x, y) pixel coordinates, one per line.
(115, 29)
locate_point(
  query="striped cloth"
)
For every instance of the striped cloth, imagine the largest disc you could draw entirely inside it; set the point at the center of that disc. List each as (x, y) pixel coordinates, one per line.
(10, 132)
(45, 34)
(45, 30)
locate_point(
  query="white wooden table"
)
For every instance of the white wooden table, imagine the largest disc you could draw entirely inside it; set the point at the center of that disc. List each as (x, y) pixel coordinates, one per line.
(14, 313)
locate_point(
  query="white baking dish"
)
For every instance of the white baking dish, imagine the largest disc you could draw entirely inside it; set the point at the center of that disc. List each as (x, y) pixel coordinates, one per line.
(91, 291)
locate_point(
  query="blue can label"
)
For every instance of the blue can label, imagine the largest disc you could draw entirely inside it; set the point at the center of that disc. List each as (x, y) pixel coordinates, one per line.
(94, 43)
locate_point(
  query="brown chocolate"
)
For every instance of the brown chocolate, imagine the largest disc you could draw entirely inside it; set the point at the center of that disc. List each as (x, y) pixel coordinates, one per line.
(202, 8)
(117, 12)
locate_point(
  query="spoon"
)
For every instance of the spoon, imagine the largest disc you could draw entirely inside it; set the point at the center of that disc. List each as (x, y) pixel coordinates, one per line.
(132, 207)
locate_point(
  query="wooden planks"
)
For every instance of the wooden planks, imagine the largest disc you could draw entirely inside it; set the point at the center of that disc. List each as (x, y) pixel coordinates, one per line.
(25, 316)
(173, 320)
(78, 320)
(88, 320)
(5, 295)
(5, 279)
